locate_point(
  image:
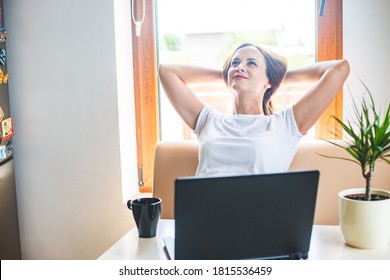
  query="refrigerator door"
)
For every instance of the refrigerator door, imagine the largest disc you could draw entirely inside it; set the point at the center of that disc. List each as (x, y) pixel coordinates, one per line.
(9, 226)
(6, 127)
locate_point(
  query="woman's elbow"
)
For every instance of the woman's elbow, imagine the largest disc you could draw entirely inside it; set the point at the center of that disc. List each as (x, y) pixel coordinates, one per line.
(165, 73)
(161, 69)
(343, 68)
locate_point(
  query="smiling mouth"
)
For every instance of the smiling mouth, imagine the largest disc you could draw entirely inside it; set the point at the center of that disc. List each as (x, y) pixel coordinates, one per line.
(239, 77)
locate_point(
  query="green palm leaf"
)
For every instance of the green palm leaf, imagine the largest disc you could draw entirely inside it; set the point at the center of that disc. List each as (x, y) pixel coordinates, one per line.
(368, 137)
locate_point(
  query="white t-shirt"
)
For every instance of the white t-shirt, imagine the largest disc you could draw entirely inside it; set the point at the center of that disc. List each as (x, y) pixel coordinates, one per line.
(245, 144)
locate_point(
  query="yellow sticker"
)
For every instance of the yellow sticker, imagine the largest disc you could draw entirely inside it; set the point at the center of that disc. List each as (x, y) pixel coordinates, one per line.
(3, 77)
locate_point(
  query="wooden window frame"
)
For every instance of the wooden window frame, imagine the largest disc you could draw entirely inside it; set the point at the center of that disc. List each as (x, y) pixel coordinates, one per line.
(146, 92)
(329, 46)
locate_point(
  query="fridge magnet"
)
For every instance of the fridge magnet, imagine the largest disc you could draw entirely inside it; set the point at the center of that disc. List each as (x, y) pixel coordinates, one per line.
(7, 130)
(9, 149)
(2, 57)
(3, 34)
(3, 153)
(3, 77)
(1, 114)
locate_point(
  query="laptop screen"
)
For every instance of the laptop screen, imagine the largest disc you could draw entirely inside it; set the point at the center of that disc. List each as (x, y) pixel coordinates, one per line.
(245, 217)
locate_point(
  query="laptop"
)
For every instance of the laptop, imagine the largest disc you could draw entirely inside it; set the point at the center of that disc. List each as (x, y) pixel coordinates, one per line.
(268, 216)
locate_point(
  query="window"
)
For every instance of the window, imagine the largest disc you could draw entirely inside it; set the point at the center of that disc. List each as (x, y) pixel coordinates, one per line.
(207, 34)
(328, 46)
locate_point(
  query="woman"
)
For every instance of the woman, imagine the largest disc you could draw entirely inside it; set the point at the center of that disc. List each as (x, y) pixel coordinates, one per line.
(252, 139)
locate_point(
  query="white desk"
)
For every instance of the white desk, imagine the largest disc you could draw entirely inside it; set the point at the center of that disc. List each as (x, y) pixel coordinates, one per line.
(326, 244)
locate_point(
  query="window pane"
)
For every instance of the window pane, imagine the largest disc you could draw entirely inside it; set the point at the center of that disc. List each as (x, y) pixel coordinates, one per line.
(204, 32)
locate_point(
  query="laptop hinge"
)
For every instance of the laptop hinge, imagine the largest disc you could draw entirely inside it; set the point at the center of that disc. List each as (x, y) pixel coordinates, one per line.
(298, 256)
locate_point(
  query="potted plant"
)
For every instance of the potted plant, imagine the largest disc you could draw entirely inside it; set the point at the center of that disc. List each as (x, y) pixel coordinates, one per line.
(364, 213)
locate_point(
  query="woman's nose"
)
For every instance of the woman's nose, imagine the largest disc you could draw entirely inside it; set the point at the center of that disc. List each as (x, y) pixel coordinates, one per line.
(240, 68)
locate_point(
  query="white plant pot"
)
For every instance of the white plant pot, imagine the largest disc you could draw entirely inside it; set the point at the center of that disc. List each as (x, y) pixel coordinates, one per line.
(364, 224)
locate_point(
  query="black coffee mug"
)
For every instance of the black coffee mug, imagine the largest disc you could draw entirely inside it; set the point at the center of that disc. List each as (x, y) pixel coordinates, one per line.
(146, 213)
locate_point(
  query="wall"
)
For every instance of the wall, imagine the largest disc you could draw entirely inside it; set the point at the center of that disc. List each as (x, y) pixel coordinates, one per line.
(366, 45)
(64, 90)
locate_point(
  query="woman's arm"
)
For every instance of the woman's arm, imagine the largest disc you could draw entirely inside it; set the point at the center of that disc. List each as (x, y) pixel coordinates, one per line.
(176, 80)
(330, 77)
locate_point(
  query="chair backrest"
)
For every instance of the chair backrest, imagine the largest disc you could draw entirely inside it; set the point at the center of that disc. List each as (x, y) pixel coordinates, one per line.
(172, 160)
(180, 158)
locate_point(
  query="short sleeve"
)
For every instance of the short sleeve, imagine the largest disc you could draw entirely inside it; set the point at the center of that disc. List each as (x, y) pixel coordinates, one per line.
(290, 123)
(201, 121)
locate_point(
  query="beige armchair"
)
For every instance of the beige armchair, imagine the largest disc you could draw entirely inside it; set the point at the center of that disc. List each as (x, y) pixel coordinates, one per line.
(180, 158)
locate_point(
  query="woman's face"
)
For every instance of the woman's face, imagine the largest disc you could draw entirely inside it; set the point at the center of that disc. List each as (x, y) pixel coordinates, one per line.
(247, 72)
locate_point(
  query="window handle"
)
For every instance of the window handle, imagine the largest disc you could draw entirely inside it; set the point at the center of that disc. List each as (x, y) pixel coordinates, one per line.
(141, 182)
